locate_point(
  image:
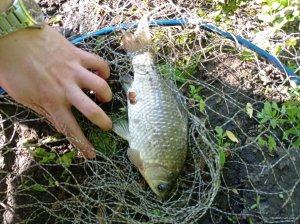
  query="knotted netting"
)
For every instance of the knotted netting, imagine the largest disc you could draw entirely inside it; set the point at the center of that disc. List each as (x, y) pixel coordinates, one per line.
(243, 158)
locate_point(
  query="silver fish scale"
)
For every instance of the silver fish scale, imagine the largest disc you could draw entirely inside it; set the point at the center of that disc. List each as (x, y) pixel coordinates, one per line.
(157, 127)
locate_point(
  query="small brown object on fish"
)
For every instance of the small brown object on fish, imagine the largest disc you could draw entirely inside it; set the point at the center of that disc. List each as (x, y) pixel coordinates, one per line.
(132, 97)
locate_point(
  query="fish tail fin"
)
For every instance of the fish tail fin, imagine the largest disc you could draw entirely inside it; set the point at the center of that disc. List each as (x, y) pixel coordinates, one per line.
(140, 40)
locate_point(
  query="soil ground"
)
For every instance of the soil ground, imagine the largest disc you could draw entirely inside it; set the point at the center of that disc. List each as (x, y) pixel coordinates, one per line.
(244, 170)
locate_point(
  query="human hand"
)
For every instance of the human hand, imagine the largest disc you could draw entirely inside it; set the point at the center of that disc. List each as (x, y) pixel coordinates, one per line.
(40, 69)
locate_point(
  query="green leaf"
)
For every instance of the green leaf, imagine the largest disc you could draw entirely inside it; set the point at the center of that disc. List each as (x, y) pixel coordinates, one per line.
(292, 111)
(273, 123)
(38, 187)
(275, 106)
(38, 152)
(44, 156)
(260, 115)
(192, 89)
(283, 110)
(257, 203)
(247, 55)
(297, 143)
(292, 65)
(295, 131)
(197, 97)
(222, 156)
(156, 212)
(261, 142)
(231, 136)
(277, 49)
(285, 3)
(249, 109)
(51, 182)
(219, 131)
(202, 105)
(271, 143)
(253, 206)
(258, 200)
(56, 19)
(280, 195)
(291, 42)
(268, 108)
(234, 190)
(280, 22)
(67, 158)
(173, 71)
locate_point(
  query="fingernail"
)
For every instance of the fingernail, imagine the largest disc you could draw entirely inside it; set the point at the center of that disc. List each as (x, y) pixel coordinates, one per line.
(89, 154)
(107, 125)
(92, 153)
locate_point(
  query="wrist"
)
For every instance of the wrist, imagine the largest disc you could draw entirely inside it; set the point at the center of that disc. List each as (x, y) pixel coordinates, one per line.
(4, 5)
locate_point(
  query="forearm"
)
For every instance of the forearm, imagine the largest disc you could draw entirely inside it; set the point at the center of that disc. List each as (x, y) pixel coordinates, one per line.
(4, 4)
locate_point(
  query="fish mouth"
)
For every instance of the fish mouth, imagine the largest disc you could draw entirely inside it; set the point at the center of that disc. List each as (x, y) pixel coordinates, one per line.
(160, 178)
(161, 189)
(164, 189)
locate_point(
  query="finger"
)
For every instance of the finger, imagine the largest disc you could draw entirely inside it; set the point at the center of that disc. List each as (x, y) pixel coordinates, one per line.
(65, 123)
(89, 108)
(38, 110)
(95, 62)
(45, 114)
(90, 81)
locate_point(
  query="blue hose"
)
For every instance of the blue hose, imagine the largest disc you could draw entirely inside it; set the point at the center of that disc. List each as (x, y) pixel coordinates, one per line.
(124, 26)
(205, 26)
(254, 48)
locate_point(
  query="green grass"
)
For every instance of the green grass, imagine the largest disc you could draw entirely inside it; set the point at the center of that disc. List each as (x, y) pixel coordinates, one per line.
(286, 118)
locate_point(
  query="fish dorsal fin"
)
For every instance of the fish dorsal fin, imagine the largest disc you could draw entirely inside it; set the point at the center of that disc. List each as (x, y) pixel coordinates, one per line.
(178, 96)
(181, 104)
(135, 157)
(121, 128)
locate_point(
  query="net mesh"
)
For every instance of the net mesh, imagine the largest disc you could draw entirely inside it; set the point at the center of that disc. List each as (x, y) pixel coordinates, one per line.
(234, 173)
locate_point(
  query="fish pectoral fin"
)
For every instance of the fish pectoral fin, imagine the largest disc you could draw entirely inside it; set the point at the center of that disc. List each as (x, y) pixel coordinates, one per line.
(126, 81)
(121, 128)
(135, 158)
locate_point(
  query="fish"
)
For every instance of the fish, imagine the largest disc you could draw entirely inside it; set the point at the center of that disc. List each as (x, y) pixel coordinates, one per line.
(157, 125)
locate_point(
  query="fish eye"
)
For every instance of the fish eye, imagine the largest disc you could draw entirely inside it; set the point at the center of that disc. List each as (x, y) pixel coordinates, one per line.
(162, 187)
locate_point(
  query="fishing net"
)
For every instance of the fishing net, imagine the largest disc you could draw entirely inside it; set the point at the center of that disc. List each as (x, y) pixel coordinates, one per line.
(243, 160)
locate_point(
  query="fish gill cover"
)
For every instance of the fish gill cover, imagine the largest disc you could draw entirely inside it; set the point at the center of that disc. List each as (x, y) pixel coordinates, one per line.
(243, 157)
